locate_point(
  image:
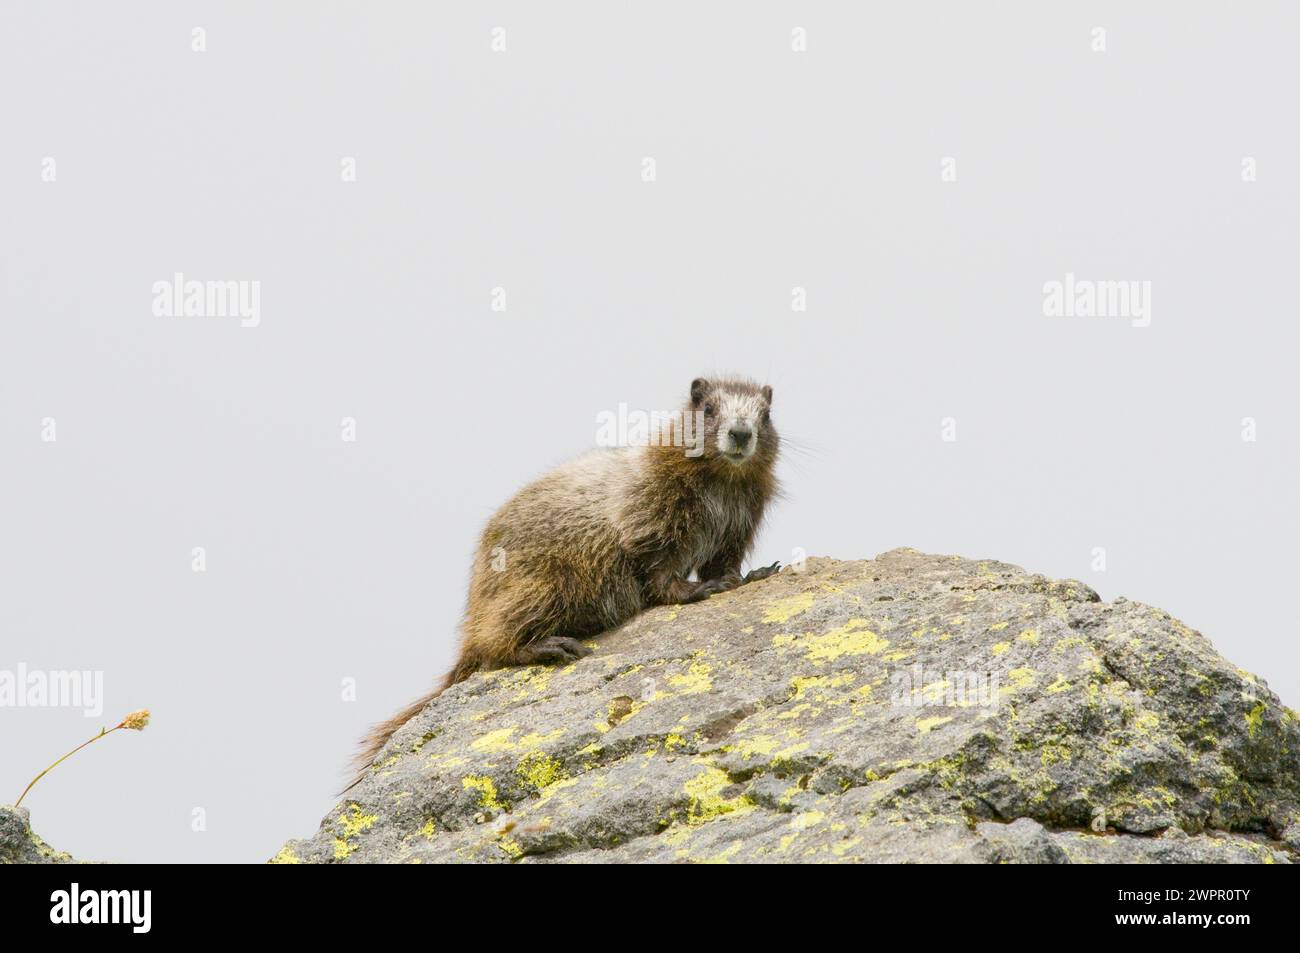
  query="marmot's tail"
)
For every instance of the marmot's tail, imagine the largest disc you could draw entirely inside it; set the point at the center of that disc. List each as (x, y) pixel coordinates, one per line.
(374, 742)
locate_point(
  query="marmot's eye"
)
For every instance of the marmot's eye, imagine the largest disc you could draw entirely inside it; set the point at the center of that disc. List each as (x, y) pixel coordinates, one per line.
(710, 410)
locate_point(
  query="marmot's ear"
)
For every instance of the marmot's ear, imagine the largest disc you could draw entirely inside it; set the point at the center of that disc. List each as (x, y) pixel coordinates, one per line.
(699, 390)
(767, 394)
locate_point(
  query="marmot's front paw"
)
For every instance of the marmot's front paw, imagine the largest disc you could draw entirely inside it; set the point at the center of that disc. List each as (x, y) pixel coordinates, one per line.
(763, 572)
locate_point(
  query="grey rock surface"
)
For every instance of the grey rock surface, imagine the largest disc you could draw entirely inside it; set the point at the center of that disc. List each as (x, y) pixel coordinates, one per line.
(18, 843)
(907, 708)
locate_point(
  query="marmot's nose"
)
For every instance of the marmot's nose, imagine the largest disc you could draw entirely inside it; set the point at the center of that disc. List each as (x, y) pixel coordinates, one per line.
(740, 436)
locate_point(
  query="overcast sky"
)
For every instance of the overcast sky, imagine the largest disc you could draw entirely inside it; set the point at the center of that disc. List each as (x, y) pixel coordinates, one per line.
(464, 250)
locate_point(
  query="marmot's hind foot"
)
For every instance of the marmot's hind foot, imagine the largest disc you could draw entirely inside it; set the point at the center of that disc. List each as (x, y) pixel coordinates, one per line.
(550, 650)
(709, 587)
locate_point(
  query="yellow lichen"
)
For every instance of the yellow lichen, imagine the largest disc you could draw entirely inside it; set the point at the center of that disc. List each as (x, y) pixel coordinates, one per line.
(706, 799)
(286, 856)
(351, 822)
(785, 754)
(355, 821)
(783, 610)
(802, 684)
(724, 856)
(844, 846)
(487, 791)
(533, 680)
(1021, 678)
(807, 819)
(498, 740)
(926, 725)
(696, 679)
(535, 740)
(1254, 719)
(1053, 752)
(758, 745)
(852, 638)
(538, 770)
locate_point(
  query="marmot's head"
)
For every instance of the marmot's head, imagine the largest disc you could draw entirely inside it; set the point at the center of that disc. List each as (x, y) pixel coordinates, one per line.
(737, 420)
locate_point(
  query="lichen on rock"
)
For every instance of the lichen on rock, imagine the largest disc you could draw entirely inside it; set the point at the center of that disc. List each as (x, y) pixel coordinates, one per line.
(19, 844)
(907, 708)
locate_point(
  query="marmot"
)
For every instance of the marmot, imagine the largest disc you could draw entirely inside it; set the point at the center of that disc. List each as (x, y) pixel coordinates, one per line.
(599, 539)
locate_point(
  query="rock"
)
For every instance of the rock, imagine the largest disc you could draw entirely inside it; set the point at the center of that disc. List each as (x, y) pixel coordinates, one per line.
(775, 723)
(20, 845)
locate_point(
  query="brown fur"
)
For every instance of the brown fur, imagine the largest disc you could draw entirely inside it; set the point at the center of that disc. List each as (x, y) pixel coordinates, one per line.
(596, 541)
